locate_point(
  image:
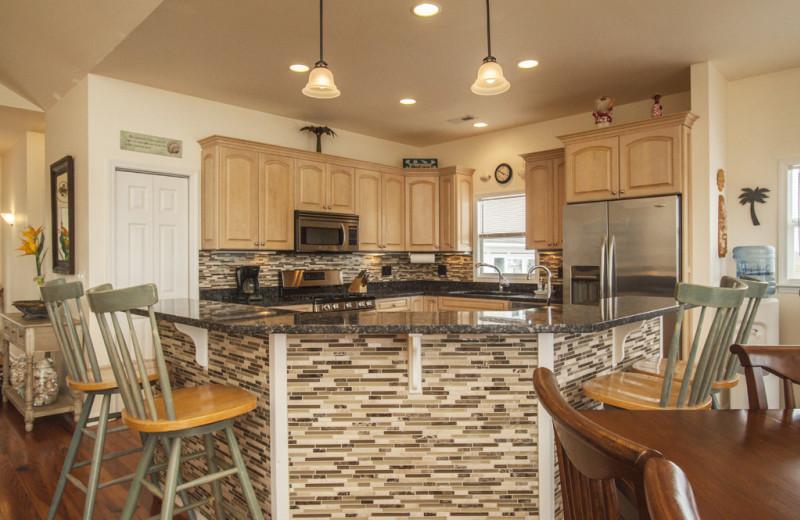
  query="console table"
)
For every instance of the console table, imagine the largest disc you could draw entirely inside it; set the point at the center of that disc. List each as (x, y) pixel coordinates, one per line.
(32, 336)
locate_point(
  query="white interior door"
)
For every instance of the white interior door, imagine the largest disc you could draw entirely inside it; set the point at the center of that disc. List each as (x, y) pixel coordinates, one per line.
(151, 243)
(151, 236)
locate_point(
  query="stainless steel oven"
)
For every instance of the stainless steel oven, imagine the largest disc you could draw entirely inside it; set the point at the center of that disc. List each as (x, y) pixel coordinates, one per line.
(333, 232)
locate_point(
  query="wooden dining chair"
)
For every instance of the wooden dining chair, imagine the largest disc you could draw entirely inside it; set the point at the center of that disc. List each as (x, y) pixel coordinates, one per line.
(782, 361)
(172, 415)
(86, 376)
(592, 460)
(634, 391)
(726, 376)
(669, 494)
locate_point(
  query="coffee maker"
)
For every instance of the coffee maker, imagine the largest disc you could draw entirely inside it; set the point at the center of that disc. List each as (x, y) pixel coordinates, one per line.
(247, 283)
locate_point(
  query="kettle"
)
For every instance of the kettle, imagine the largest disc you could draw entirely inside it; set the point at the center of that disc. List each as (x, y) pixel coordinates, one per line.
(247, 287)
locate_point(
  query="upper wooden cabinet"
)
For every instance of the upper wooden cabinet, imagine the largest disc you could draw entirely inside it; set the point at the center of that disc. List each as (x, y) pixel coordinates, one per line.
(455, 209)
(544, 199)
(422, 212)
(380, 205)
(325, 187)
(639, 159)
(244, 198)
(250, 191)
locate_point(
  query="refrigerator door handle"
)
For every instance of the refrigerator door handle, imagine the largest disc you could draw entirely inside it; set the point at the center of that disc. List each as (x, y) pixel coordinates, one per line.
(603, 268)
(612, 264)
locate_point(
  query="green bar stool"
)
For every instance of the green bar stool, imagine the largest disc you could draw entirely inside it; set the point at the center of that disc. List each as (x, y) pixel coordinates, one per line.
(726, 376)
(173, 415)
(634, 391)
(84, 375)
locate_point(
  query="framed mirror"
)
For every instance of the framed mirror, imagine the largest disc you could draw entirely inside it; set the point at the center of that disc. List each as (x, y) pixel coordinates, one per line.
(62, 205)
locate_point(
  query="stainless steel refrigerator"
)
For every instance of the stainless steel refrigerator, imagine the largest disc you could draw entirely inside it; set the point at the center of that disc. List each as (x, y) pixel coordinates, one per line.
(622, 248)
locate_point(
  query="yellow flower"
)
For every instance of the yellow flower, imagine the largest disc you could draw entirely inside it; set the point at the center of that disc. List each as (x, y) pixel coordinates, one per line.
(33, 244)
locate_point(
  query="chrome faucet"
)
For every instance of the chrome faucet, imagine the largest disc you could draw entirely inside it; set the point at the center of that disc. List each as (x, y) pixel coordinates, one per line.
(549, 279)
(502, 281)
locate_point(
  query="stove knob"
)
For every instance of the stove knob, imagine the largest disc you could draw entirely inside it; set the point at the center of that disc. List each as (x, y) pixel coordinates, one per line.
(348, 305)
(326, 306)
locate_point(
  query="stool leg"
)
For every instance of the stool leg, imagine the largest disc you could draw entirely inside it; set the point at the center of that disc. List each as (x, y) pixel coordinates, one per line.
(183, 494)
(145, 462)
(97, 458)
(171, 480)
(244, 478)
(71, 453)
(216, 489)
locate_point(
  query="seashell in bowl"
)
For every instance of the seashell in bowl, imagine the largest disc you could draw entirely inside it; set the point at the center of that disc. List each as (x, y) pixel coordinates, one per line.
(173, 147)
(31, 308)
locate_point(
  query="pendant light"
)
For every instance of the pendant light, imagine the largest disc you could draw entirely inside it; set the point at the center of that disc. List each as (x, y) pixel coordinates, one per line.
(490, 80)
(320, 81)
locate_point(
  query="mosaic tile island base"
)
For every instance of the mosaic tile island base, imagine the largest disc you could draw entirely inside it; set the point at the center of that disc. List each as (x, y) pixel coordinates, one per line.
(404, 415)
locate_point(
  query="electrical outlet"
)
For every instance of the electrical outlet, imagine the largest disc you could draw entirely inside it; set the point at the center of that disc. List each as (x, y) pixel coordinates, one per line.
(386, 270)
(442, 270)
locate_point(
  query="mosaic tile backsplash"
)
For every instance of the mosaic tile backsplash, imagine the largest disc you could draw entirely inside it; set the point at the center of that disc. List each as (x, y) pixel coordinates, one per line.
(217, 267)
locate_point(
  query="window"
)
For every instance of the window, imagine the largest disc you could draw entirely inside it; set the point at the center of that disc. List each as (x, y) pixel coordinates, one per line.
(501, 236)
(789, 224)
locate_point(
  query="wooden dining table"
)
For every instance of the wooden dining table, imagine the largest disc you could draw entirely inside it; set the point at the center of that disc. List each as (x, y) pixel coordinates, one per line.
(741, 464)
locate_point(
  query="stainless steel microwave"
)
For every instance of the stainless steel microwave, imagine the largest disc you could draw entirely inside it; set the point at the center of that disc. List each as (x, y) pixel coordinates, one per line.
(333, 232)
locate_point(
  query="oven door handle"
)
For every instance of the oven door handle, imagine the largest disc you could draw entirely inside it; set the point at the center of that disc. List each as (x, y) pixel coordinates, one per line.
(344, 236)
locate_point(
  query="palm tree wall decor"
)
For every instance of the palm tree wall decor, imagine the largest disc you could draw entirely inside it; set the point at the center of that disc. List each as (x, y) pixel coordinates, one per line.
(751, 196)
(319, 131)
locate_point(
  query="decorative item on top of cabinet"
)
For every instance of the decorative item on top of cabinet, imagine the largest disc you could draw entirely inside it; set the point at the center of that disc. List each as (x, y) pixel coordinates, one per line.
(380, 206)
(544, 199)
(640, 159)
(455, 204)
(319, 131)
(244, 199)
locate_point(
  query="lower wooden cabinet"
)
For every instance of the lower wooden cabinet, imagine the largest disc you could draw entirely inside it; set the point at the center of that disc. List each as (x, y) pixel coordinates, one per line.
(430, 303)
(303, 307)
(393, 304)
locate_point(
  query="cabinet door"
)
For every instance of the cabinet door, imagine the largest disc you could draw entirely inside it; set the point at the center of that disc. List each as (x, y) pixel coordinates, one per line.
(539, 204)
(393, 212)
(238, 199)
(650, 163)
(592, 170)
(464, 205)
(422, 213)
(417, 304)
(368, 208)
(341, 189)
(310, 186)
(209, 199)
(560, 198)
(447, 212)
(430, 303)
(276, 193)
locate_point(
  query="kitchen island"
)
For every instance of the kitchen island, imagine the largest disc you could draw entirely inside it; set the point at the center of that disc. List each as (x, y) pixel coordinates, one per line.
(403, 414)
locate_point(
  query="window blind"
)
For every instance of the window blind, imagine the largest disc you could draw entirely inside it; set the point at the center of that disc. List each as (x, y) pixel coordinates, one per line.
(502, 216)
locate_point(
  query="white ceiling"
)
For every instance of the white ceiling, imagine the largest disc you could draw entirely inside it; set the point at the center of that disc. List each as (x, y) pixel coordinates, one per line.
(239, 51)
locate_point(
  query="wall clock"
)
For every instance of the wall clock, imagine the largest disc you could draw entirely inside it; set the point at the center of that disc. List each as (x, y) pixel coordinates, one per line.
(502, 174)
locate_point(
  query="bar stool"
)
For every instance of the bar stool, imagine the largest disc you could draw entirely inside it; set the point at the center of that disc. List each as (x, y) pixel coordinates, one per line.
(173, 415)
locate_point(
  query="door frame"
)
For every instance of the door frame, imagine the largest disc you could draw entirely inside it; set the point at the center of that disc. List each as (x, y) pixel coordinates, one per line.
(193, 177)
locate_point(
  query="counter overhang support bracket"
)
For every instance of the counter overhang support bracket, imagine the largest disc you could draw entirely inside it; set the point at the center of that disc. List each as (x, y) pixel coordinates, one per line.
(200, 339)
(415, 363)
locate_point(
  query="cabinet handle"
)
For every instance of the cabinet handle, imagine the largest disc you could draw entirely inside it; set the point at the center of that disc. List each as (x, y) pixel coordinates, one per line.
(255, 243)
(613, 192)
(262, 243)
(621, 191)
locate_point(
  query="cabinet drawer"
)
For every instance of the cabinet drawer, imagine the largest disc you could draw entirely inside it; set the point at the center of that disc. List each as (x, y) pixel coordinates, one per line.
(393, 304)
(450, 303)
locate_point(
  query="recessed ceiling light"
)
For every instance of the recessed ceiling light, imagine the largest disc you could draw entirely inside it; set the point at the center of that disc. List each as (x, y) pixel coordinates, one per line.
(527, 64)
(298, 68)
(479, 125)
(426, 9)
(408, 101)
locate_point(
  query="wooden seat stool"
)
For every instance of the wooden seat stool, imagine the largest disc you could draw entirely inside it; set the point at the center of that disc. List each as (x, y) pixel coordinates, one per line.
(173, 415)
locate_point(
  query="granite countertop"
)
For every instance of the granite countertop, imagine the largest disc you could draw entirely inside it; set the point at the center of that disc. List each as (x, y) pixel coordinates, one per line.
(248, 319)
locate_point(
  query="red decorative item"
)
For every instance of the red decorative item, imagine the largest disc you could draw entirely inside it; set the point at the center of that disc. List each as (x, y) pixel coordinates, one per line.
(655, 110)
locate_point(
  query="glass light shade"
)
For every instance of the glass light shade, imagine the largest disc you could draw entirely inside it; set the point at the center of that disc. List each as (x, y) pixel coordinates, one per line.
(8, 217)
(320, 83)
(490, 80)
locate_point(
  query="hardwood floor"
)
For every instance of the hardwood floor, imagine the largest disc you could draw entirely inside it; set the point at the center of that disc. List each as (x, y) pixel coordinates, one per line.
(30, 464)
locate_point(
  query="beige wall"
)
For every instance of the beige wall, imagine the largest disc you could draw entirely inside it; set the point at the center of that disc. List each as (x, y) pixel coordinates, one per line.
(23, 192)
(763, 115)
